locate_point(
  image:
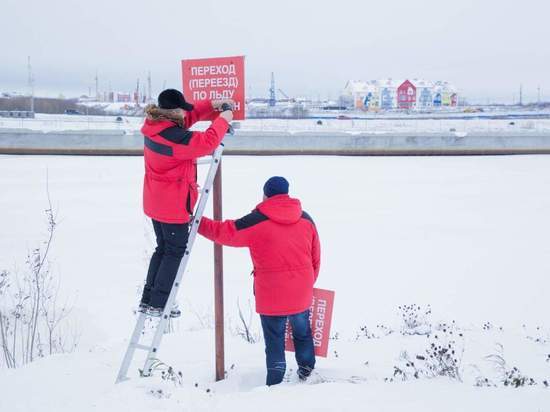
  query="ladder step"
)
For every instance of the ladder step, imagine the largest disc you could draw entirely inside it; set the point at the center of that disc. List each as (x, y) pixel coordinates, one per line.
(142, 347)
(204, 161)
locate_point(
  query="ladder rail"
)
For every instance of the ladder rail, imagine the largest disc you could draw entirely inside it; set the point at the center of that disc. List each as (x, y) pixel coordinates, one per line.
(161, 326)
(132, 346)
(204, 160)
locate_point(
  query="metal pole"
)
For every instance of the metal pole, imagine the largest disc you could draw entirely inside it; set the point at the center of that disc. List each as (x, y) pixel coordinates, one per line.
(218, 281)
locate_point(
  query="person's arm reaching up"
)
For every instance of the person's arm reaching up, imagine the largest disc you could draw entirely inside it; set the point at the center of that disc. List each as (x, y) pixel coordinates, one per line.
(192, 145)
(204, 110)
(224, 233)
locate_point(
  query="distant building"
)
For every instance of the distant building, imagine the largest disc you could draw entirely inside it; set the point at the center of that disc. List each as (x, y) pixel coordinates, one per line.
(389, 94)
(424, 94)
(445, 95)
(406, 96)
(123, 97)
(371, 101)
(454, 100)
(17, 113)
(354, 93)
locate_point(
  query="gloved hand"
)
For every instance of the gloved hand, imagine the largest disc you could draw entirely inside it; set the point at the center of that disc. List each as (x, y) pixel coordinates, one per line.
(226, 106)
(219, 104)
(227, 114)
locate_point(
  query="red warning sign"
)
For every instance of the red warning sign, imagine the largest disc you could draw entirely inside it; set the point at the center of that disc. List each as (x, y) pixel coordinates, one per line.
(214, 79)
(320, 317)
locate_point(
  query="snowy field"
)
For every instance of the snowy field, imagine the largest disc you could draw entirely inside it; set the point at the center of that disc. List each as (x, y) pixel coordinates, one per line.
(466, 236)
(399, 123)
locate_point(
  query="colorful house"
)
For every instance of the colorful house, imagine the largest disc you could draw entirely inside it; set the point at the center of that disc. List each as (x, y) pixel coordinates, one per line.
(437, 98)
(406, 96)
(355, 92)
(454, 100)
(445, 95)
(424, 94)
(388, 94)
(371, 102)
(361, 95)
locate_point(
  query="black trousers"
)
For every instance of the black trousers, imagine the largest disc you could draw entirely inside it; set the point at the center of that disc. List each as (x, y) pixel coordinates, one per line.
(171, 244)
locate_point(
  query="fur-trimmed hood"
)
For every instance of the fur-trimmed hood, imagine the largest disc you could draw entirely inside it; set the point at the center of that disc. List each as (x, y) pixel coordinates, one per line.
(155, 113)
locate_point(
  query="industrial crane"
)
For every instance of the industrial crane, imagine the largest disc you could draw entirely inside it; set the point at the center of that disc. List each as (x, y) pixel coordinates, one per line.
(272, 97)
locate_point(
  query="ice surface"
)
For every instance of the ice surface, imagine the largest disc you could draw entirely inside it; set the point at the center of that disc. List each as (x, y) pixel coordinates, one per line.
(467, 235)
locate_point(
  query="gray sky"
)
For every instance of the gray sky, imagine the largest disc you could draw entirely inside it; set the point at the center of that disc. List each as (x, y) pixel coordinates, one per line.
(485, 47)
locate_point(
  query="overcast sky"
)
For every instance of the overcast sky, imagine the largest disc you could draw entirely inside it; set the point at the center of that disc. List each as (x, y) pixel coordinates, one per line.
(485, 47)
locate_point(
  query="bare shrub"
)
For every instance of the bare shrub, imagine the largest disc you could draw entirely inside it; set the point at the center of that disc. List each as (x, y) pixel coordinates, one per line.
(406, 369)
(509, 376)
(415, 319)
(32, 320)
(245, 327)
(167, 372)
(378, 332)
(537, 334)
(442, 357)
(205, 317)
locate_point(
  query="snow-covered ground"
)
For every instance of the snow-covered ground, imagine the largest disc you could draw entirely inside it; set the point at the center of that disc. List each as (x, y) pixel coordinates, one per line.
(466, 235)
(397, 123)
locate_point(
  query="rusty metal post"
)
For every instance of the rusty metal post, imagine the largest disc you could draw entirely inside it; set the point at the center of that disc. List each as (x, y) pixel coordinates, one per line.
(218, 281)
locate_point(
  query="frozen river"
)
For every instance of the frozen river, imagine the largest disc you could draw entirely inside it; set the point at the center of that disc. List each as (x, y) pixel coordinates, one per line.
(466, 235)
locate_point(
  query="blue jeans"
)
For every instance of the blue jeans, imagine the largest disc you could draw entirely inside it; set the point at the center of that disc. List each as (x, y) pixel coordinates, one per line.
(274, 336)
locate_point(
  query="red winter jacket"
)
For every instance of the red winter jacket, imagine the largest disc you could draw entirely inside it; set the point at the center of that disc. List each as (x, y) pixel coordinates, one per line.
(285, 250)
(170, 183)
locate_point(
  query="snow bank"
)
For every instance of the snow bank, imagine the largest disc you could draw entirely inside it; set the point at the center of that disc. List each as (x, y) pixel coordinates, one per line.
(398, 123)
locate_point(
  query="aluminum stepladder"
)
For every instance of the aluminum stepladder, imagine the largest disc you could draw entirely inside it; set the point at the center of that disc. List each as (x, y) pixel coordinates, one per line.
(152, 350)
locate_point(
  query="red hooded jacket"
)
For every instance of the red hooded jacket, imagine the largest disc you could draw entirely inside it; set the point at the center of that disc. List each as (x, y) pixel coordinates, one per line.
(170, 183)
(285, 250)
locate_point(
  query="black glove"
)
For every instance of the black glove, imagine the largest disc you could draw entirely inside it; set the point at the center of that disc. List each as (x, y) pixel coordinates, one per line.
(227, 106)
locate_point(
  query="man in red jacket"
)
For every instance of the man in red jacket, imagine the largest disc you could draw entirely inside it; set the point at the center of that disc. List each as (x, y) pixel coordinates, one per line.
(170, 182)
(285, 250)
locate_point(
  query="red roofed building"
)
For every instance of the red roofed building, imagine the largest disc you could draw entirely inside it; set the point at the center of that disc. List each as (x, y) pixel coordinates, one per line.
(406, 96)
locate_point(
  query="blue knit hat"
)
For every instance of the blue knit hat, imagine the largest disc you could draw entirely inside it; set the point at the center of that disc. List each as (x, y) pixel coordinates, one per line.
(276, 185)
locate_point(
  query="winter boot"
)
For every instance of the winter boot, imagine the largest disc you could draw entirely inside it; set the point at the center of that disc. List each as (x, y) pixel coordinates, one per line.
(157, 312)
(143, 307)
(304, 372)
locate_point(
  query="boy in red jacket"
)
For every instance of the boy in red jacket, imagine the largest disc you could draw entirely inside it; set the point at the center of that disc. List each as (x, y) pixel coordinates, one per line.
(170, 182)
(285, 250)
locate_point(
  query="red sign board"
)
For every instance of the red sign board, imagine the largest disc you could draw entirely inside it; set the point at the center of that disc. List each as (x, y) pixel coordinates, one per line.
(214, 79)
(320, 317)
